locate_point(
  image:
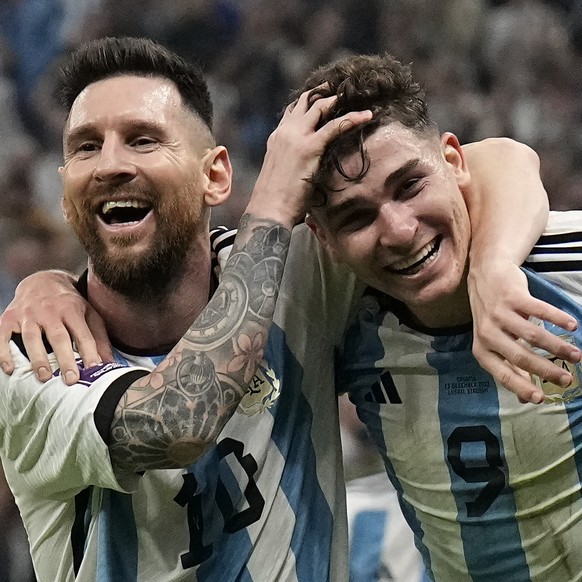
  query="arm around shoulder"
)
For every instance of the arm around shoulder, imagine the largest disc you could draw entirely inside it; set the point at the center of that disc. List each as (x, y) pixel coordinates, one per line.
(508, 207)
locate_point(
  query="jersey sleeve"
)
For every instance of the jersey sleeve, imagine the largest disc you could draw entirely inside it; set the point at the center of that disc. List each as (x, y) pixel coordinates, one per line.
(50, 434)
(557, 256)
(315, 286)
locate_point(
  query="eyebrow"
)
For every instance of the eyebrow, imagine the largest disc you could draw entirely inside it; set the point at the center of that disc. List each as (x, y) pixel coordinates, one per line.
(398, 174)
(393, 178)
(87, 130)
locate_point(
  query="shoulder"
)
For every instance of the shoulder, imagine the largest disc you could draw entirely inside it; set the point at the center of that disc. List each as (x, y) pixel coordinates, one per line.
(555, 262)
(559, 249)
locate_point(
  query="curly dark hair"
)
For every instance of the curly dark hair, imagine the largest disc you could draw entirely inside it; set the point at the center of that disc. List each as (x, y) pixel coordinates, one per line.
(114, 56)
(380, 83)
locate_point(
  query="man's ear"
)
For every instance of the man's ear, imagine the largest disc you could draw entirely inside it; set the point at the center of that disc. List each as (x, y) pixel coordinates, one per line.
(322, 236)
(454, 156)
(64, 210)
(61, 171)
(218, 176)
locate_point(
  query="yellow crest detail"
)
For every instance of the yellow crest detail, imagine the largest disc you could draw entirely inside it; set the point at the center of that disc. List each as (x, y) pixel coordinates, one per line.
(263, 390)
(553, 392)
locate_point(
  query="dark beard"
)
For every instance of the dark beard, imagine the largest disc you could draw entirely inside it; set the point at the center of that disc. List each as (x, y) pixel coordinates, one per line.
(150, 277)
(148, 280)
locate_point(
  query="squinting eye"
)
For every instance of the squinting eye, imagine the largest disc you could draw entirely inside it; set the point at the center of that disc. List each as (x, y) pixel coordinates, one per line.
(356, 221)
(410, 188)
(87, 147)
(410, 184)
(143, 141)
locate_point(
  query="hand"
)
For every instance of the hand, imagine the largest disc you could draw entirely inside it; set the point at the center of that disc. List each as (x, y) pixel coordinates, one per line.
(501, 306)
(293, 155)
(47, 302)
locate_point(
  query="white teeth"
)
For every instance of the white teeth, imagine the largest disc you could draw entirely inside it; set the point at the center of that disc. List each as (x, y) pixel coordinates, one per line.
(405, 263)
(108, 206)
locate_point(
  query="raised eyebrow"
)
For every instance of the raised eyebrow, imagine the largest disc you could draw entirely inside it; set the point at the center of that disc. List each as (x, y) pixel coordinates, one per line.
(130, 126)
(79, 134)
(401, 172)
(336, 210)
(142, 126)
(393, 178)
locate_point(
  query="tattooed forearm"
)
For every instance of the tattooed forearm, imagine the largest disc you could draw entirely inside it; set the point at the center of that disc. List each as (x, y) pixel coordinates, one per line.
(170, 417)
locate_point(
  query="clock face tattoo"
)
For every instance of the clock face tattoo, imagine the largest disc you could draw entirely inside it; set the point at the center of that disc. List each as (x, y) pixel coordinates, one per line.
(222, 316)
(197, 376)
(264, 285)
(251, 286)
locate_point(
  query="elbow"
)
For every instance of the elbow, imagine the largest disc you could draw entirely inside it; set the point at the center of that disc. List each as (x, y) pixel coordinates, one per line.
(139, 443)
(190, 442)
(181, 454)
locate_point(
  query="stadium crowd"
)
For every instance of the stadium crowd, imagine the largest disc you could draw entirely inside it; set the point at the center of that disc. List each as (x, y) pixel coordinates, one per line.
(490, 67)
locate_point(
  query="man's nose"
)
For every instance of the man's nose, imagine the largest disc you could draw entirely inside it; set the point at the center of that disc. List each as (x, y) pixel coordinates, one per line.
(114, 162)
(398, 225)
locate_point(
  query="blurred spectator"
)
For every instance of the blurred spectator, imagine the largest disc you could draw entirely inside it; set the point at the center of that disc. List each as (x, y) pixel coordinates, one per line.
(31, 244)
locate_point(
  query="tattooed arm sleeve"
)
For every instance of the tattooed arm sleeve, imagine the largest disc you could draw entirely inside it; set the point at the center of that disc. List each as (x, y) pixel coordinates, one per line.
(169, 417)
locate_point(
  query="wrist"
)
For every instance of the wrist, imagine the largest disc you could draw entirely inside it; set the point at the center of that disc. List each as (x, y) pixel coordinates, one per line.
(487, 267)
(276, 207)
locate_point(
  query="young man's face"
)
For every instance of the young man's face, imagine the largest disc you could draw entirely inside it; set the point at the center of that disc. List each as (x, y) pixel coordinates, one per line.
(404, 228)
(135, 177)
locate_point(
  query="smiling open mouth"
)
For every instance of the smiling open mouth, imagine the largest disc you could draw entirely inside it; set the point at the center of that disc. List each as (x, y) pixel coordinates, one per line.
(416, 262)
(129, 212)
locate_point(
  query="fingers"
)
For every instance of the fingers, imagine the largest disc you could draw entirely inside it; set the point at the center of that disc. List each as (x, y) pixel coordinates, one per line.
(514, 379)
(344, 123)
(37, 350)
(552, 314)
(8, 326)
(313, 112)
(316, 108)
(542, 339)
(523, 357)
(513, 365)
(535, 334)
(514, 362)
(87, 328)
(97, 336)
(309, 98)
(32, 337)
(512, 346)
(90, 342)
(517, 335)
(47, 303)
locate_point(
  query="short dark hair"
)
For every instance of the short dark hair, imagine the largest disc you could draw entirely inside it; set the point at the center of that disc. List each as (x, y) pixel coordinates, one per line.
(115, 56)
(380, 83)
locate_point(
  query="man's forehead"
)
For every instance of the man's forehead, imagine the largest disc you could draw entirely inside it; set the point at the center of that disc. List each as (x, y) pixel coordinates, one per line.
(388, 148)
(125, 95)
(394, 138)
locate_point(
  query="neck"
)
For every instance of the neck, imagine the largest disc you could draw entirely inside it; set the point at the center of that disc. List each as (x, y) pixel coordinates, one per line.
(448, 311)
(137, 325)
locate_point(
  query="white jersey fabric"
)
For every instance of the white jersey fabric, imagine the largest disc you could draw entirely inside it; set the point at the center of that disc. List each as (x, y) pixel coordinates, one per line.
(490, 487)
(265, 504)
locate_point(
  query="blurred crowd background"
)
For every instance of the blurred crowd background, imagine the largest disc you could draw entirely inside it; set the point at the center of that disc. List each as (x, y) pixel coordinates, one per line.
(490, 68)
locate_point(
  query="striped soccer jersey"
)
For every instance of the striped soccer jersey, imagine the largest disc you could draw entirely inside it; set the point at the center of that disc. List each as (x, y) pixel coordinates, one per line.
(265, 504)
(490, 487)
